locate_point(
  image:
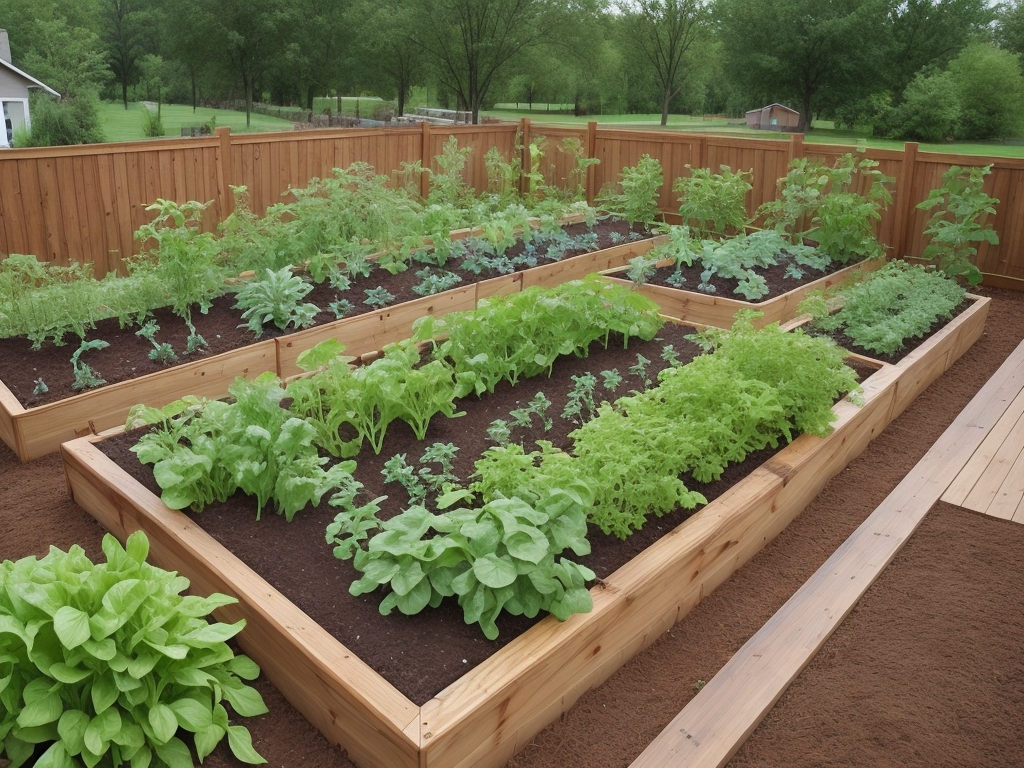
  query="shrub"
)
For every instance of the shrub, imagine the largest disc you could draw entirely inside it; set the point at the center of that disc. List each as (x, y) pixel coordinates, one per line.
(991, 90)
(72, 120)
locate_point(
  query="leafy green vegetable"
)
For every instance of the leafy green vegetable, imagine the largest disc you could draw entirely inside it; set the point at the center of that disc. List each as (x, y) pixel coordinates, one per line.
(501, 556)
(887, 307)
(276, 297)
(109, 662)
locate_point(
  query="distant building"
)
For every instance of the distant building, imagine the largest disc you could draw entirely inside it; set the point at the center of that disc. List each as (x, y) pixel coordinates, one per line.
(774, 117)
(14, 88)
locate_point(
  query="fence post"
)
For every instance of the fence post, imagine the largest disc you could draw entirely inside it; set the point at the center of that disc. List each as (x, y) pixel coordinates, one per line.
(524, 155)
(903, 201)
(591, 179)
(225, 173)
(796, 146)
(425, 159)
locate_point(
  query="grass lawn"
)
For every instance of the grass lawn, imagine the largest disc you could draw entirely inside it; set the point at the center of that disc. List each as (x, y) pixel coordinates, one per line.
(126, 125)
(120, 124)
(824, 132)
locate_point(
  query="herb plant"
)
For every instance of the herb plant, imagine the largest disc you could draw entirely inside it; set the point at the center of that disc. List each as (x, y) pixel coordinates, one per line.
(889, 306)
(378, 297)
(161, 352)
(109, 664)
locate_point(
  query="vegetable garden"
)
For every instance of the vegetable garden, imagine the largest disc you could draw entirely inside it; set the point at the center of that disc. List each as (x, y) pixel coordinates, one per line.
(477, 450)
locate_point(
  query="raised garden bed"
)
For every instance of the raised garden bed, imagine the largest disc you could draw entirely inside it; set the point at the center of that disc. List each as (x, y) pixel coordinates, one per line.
(718, 310)
(488, 714)
(32, 431)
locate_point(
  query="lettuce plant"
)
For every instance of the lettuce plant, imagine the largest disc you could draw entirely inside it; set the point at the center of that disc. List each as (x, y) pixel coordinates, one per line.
(110, 664)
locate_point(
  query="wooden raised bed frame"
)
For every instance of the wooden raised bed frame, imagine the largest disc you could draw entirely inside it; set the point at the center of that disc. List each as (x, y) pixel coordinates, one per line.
(712, 309)
(35, 432)
(490, 713)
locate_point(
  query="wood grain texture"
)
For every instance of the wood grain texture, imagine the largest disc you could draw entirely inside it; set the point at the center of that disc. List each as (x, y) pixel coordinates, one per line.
(709, 730)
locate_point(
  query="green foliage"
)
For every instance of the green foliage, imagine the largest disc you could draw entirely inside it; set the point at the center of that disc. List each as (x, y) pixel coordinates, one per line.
(85, 376)
(152, 125)
(109, 662)
(276, 297)
(185, 261)
(838, 207)
(161, 352)
(714, 203)
(62, 123)
(990, 87)
(889, 306)
(635, 198)
(758, 388)
(959, 207)
(521, 335)
(501, 556)
(538, 406)
(205, 451)
(378, 297)
(930, 111)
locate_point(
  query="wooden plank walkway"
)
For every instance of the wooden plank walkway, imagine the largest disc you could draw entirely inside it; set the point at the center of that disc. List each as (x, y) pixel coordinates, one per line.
(716, 722)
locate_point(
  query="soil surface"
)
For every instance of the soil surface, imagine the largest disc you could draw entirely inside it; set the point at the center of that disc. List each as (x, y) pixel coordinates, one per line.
(926, 671)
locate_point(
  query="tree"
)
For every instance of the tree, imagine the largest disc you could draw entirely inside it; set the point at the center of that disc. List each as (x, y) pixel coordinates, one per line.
(69, 59)
(248, 33)
(664, 31)
(929, 32)
(123, 31)
(817, 53)
(1010, 26)
(470, 41)
(991, 90)
(386, 39)
(929, 111)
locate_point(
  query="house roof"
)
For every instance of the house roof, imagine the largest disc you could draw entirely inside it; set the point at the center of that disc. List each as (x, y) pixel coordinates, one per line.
(33, 83)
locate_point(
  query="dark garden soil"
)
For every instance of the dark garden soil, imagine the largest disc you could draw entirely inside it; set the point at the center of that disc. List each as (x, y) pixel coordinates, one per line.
(926, 671)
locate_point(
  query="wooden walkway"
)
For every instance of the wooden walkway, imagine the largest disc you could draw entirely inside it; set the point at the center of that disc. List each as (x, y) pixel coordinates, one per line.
(977, 463)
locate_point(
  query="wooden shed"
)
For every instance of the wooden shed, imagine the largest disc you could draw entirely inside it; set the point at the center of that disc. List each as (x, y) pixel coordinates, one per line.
(774, 117)
(14, 88)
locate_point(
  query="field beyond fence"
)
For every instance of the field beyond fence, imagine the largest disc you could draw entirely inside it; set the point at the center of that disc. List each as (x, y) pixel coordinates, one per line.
(84, 203)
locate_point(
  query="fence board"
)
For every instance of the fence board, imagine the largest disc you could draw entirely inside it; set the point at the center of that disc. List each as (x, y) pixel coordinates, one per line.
(84, 203)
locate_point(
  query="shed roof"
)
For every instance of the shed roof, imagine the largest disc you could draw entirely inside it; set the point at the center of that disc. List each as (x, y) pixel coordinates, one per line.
(774, 104)
(32, 82)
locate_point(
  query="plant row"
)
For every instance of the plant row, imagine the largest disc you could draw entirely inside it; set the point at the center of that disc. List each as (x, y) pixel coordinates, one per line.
(498, 542)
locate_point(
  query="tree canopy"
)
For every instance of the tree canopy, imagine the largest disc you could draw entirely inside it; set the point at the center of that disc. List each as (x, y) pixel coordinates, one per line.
(888, 63)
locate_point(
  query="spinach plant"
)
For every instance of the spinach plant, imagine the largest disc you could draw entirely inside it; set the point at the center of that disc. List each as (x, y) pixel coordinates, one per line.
(502, 556)
(110, 664)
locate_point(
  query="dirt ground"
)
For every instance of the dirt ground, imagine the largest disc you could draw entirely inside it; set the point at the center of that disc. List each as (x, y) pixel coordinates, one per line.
(927, 670)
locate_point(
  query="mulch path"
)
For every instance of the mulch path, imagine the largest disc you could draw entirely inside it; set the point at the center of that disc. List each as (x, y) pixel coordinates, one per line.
(927, 669)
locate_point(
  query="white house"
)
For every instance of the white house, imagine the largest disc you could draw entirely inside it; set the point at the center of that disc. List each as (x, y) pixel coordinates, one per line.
(14, 88)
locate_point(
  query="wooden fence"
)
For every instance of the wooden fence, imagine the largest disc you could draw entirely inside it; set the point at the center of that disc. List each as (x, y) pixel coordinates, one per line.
(84, 203)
